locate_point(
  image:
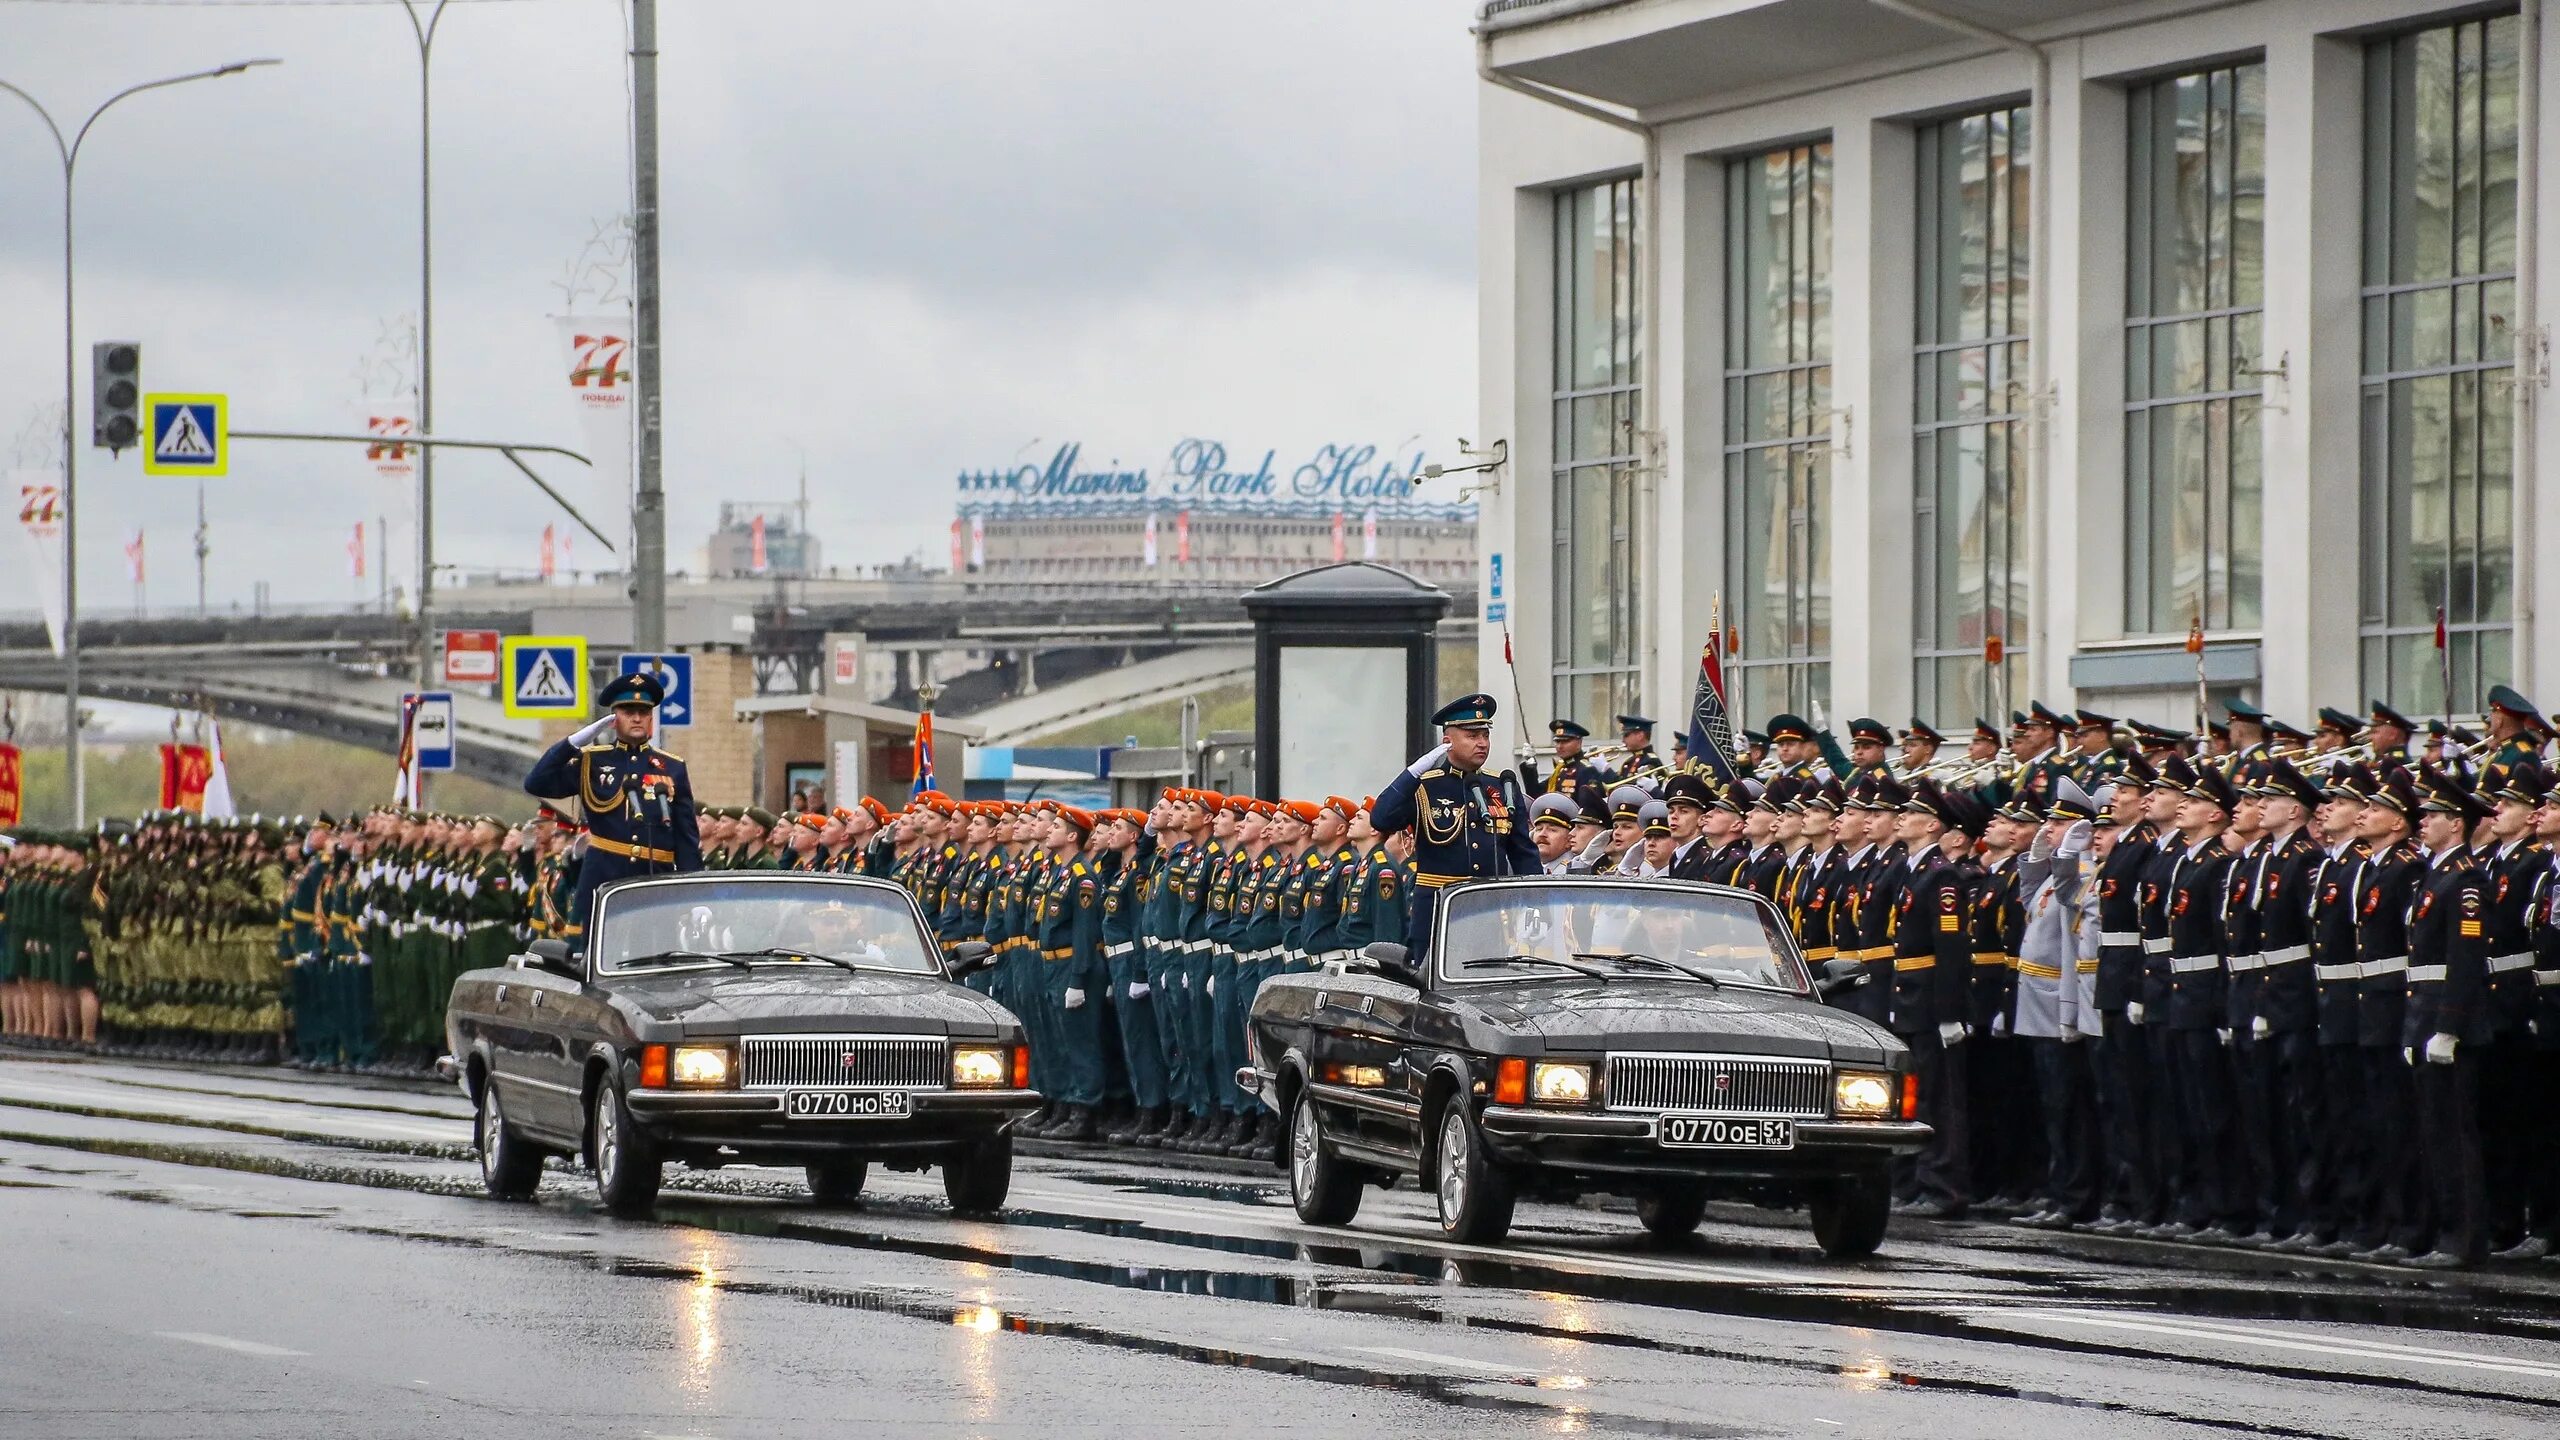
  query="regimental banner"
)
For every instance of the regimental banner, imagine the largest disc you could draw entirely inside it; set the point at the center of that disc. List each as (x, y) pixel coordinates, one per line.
(13, 786)
(185, 770)
(601, 371)
(40, 514)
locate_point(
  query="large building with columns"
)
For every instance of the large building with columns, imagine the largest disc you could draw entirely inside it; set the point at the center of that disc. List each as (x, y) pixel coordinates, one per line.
(1871, 330)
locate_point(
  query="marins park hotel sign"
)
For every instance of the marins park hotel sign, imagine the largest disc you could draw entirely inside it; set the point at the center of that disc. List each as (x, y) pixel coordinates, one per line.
(1201, 476)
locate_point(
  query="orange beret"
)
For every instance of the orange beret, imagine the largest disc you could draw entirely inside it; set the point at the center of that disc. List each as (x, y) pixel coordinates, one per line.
(878, 811)
(1305, 811)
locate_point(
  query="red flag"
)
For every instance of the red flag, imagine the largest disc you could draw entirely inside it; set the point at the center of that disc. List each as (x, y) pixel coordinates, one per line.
(1337, 537)
(355, 553)
(133, 557)
(550, 554)
(1182, 537)
(184, 772)
(12, 786)
(959, 555)
(2443, 640)
(755, 545)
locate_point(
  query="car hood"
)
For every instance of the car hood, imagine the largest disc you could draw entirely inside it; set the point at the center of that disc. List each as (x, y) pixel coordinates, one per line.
(1679, 1016)
(778, 1001)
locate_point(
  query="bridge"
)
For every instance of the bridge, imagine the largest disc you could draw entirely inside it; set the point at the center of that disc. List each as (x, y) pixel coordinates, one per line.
(1029, 658)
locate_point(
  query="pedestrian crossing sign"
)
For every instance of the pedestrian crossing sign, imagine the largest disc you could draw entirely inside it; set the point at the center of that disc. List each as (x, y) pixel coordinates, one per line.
(546, 677)
(186, 435)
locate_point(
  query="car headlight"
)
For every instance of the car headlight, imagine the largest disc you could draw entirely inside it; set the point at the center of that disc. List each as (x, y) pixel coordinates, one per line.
(701, 1065)
(978, 1067)
(1862, 1095)
(1553, 1082)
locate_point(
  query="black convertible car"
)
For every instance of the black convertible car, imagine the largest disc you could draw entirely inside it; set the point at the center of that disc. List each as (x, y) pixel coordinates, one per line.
(1654, 1039)
(729, 1019)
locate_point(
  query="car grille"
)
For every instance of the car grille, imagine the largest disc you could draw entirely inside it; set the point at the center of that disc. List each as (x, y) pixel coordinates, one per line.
(843, 1062)
(1720, 1085)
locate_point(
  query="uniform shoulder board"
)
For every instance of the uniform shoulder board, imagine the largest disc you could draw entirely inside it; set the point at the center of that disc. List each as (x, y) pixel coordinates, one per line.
(1435, 774)
(592, 749)
(1079, 868)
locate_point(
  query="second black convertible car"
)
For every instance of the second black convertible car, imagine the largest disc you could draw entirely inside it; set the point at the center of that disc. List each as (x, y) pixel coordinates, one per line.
(742, 1019)
(1653, 1039)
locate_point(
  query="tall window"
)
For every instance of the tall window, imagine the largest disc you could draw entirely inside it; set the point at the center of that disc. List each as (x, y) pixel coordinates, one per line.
(1777, 453)
(1596, 380)
(2439, 362)
(1969, 464)
(2195, 291)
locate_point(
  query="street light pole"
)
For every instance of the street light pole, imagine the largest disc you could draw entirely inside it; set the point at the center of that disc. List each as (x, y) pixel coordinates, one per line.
(649, 503)
(70, 154)
(426, 33)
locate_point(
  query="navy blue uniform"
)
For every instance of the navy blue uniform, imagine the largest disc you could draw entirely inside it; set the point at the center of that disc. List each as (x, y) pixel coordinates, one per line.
(1466, 826)
(638, 805)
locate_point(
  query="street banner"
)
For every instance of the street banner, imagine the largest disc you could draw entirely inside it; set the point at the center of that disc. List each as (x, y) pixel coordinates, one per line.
(600, 372)
(40, 512)
(1151, 538)
(133, 557)
(389, 420)
(550, 554)
(959, 554)
(1369, 534)
(977, 543)
(185, 770)
(13, 786)
(1182, 537)
(1337, 537)
(355, 554)
(755, 546)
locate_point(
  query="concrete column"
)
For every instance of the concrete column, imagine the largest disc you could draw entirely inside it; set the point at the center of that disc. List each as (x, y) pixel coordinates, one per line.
(1668, 575)
(2538, 495)
(2084, 516)
(1695, 288)
(1873, 291)
(2310, 412)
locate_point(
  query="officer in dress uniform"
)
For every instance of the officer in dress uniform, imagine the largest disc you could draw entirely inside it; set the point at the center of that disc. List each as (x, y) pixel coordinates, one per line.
(2447, 1020)
(1468, 824)
(2518, 730)
(1636, 732)
(1868, 739)
(2095, 760)
(636, 798)
(1572, 770)
(1920, 742)
(2389, 733)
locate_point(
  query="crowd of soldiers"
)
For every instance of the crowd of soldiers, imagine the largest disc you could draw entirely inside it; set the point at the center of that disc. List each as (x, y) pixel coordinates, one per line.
(2288, 989)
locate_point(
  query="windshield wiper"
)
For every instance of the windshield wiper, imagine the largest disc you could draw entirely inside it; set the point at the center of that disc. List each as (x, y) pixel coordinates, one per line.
(670, 957)
(1492, 962)
(1633, 958)
(784, 952)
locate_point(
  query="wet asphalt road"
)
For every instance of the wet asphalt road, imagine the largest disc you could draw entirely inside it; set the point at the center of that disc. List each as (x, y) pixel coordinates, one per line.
(264, 1253)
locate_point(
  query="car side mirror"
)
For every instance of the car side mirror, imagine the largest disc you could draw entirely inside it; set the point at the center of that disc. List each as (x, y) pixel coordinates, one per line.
(1389, 959)
(1838, 975)
(970, 956)
(554, 956)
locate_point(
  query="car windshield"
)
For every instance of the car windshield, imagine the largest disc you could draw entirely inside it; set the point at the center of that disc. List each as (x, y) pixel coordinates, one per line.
(1567, 928)
(765, 920)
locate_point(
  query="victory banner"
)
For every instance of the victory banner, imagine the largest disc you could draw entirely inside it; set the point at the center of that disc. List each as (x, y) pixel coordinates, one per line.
(185, 771)
(601, 373)
(39, 526)
(13, 788)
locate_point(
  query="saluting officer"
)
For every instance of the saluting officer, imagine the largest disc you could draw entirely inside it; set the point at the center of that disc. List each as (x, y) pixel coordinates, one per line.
(1467, 824)
(637, 799)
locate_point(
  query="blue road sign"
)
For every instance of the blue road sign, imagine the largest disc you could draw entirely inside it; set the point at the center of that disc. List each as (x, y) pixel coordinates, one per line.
(433, 729)
(675, 675)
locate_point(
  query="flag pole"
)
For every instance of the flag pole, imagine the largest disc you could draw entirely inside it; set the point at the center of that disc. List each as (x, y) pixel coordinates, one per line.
(2195, 647)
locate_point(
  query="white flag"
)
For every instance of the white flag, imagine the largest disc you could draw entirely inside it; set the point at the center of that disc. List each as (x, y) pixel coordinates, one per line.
(40, 512)
(600, 372)
(217, 786)
(1151, 539)
(1369, 534)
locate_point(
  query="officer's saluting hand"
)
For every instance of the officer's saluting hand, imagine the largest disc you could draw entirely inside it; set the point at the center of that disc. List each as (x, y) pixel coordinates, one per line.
(637, 798)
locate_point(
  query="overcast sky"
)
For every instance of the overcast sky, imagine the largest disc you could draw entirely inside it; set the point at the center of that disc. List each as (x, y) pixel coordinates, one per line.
(904, 238)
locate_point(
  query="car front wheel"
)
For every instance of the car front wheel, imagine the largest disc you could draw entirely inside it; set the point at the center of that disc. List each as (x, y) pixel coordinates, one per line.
(628, 1167)
(509, 1167)
(978, 1175)
(1476, 1197)
(1322, 1185)
(1850, 1215)
(838, 1182)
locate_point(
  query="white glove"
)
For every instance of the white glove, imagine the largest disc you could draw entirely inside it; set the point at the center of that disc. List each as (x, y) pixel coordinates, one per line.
(595, 728)
(1138, 990)
(1075, 999)
(2133, 1013)
(2259, 1029)
(1211, 988)
(2071, 1035)
(1436, 755)
(2408, 1056)
(2000, 1024)
(2224, 1036)
(1952, 1034)
(2440, 1049)
(2075, 841)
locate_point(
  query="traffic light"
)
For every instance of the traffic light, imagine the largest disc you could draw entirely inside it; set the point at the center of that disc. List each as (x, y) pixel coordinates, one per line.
(115, 393)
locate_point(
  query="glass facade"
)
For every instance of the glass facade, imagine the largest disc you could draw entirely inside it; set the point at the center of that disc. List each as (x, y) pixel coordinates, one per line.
(2439, 363)
(1777, 451)
(2195, 292)
(1970, 409)
(1597, 368)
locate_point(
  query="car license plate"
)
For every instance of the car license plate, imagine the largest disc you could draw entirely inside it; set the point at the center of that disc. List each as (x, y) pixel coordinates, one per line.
(846, 1105)
(1717, 1132)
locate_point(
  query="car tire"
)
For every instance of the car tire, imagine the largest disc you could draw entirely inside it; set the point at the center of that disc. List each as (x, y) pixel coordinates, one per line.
(510, 1166)
(1322, 1185)
(837, 1182)
(979, 1175)
(1475, 1195)
(628, 1166)
(1850, 1215)
(1671, 1212)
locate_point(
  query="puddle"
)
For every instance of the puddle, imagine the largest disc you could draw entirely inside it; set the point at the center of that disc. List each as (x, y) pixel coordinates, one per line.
(262, 1097)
